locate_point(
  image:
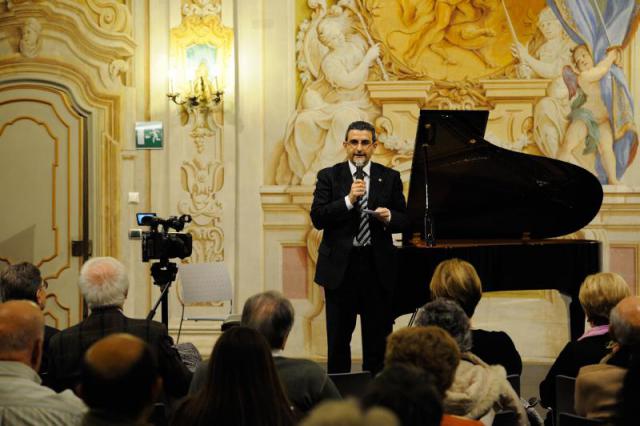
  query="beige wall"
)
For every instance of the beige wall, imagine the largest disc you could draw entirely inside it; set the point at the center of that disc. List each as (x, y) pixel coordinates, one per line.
(268, 242)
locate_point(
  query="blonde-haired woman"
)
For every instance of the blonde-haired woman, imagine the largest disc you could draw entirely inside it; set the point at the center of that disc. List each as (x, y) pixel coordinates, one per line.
(457, 280)
(598, 294)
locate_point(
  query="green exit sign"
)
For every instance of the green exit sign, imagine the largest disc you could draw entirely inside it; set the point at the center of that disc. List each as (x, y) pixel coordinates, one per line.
(149, 135)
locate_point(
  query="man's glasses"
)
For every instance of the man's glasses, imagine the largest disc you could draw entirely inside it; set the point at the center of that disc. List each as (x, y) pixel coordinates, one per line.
(365, 143)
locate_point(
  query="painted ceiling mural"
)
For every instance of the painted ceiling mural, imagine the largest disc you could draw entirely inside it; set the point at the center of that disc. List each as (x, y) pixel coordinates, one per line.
(586, 116)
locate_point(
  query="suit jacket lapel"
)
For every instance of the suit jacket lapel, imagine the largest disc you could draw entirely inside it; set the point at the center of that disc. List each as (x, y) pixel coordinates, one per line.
(375, 181)
(345, 178)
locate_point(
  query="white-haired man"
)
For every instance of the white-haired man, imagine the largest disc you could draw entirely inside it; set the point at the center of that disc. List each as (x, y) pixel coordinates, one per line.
(23, 400)
(104, 284)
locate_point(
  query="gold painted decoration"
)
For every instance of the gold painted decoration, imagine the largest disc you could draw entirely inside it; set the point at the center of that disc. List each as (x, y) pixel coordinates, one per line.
(202, 181)
(458, 95)
(201, 8)
(111, 16)
(448, 39)
(30, 41)
(201, 50)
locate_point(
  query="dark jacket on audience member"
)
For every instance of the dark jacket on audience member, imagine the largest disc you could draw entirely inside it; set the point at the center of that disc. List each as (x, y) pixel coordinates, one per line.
(305, 382)
(49, 332)
(67, 348)
(574, 356)
(496, 347)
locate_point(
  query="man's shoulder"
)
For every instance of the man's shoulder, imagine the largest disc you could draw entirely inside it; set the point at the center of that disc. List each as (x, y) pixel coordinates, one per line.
(138, 327)
(143, 322)
(332, 169)
(380, 168)
(601, 368)
(299, 364)
(66, 333)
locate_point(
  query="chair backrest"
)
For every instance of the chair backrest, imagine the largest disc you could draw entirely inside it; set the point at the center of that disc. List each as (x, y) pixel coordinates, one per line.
(233, 320)
(514, 380)
(203, 283)
(352, 384)
(505, 418)
(565, 389)
(567, 419)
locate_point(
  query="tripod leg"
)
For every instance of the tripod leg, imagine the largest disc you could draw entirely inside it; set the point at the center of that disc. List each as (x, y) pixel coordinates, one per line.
(165, 309)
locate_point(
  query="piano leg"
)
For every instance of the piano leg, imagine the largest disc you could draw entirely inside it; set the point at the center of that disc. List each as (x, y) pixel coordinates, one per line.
(576, 318)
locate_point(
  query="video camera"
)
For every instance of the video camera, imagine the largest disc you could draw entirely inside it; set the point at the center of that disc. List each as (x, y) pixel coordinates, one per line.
(160, 243)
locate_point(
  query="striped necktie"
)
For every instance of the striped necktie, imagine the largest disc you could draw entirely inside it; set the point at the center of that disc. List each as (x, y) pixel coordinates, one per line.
(363, 237)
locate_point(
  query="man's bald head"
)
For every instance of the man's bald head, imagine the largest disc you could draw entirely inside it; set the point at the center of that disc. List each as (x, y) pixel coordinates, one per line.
(625, 321)
(21, 332)
(114, 355)
(120, 376)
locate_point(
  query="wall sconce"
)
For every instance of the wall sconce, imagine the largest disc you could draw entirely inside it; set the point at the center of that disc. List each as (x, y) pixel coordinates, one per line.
(197, 102)
(201, 92)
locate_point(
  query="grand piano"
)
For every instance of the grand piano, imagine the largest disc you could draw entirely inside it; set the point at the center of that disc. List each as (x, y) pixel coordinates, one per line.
(497, 209)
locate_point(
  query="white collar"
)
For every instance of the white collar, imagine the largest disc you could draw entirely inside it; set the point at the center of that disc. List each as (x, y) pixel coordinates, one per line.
(366, 168)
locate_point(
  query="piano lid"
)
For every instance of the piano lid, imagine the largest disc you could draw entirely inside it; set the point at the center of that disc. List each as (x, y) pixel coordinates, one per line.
(480, 191)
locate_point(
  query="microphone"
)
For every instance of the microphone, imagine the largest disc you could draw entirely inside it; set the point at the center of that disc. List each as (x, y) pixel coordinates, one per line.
(359, 162)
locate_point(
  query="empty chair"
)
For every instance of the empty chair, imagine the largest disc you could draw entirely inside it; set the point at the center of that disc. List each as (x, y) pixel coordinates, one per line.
(352, 384)
(567, 419)
(205, 285)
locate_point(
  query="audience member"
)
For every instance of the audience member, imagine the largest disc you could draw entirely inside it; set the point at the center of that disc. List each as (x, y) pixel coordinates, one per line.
(242, 387)
(598, 386)
(349, 413)
(409, 393)
(119, 382)
(306, 383)
(23, 400)
(599, 294)
(435, 352)
(104, 284)
(23, 281)
(627, 410)
(458, 280)
(478, 389)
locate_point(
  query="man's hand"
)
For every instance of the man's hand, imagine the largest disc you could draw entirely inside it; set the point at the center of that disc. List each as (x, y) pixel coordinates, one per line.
(358, 189)
(383, 214)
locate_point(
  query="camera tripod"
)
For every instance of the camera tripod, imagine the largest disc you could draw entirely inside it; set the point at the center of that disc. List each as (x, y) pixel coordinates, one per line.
(163, 273)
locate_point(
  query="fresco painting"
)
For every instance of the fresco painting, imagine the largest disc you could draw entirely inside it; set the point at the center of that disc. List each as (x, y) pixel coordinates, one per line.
(586, 116)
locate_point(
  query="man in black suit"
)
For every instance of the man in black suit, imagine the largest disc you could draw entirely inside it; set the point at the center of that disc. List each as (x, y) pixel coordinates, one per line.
(23, 281)
(104, 284)
(358, 204)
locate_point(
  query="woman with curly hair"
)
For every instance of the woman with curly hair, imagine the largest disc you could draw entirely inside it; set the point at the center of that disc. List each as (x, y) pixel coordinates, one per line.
(457, 280)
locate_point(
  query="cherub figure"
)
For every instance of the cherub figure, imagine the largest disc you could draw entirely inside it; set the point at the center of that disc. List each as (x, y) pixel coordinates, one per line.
(30, 41)
(589, 119)
(544, 57)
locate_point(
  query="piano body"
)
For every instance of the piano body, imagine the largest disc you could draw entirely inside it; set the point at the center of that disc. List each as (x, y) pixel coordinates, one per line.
(496, 209)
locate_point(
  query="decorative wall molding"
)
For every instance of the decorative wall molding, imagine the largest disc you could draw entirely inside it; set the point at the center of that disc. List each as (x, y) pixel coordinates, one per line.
(85, 48)
(201, 8)
(202, 174)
